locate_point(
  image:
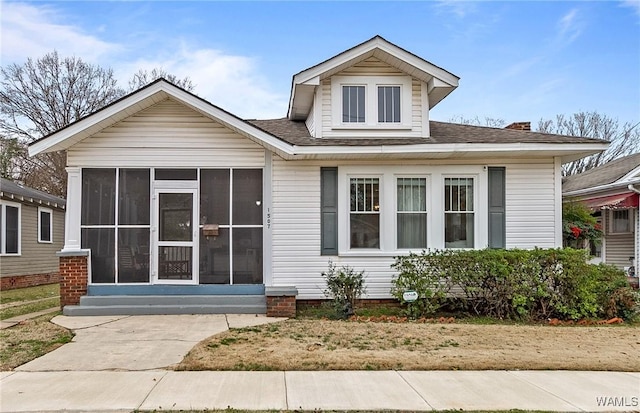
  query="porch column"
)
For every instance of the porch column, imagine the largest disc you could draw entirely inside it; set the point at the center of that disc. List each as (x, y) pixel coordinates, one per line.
(74, 261)
(73, 208)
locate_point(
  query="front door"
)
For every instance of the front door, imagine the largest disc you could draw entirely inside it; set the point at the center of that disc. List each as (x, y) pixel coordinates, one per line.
(175, 236)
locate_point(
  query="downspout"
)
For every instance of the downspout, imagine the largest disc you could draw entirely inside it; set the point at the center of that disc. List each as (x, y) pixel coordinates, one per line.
(637, 241)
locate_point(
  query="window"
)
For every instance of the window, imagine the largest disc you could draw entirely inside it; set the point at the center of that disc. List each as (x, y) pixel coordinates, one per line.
(9, 229)
(620, 221)
(353, 104)
(459, 213)
(45, 225)
(412, 213)
(380, 102)
(389, 104)
(364, 216)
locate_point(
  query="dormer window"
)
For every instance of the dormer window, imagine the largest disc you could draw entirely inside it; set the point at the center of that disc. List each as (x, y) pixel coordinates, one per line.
(389, 104)
(353, 104)
(371, 102)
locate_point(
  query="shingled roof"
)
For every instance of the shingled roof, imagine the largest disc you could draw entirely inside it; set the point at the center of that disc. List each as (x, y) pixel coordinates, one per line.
(296, 133)
(602, 175)
(19, 193)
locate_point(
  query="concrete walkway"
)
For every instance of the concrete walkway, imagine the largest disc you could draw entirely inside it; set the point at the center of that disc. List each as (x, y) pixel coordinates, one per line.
(117, 364)
(10, 322)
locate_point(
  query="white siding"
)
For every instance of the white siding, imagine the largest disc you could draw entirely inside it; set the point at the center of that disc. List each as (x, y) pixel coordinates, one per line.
(619, 248)
(372, 67)
(310, 122)
(296, 222)
(530, 199)
(167, 134)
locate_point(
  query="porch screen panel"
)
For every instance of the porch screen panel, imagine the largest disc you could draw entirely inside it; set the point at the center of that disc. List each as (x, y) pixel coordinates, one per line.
(247, 197)
(412, 212)
(98, 196)
(247, 256)
(102, 243)
(215, 187)
(214, 258)
(133, 255)
(134, 197)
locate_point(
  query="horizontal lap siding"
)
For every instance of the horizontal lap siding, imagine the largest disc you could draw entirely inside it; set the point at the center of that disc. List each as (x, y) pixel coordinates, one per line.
(167, 134)
(36, 257)
(296, 236)
(619, 248)
(530, 198)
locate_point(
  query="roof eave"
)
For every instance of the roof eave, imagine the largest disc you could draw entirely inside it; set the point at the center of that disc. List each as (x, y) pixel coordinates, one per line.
(566, 152)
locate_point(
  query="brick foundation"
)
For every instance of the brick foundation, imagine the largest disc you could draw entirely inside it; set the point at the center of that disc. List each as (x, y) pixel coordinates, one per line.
(281, 301)
(74, 275)
(30, 280)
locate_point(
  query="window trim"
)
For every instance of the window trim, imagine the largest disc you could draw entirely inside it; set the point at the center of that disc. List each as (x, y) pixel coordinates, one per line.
(630, 221)
(427, 210)
(50, 212)
(371, 84)
(474, 211)
(379, 212)
(3, 233)
(388, 174)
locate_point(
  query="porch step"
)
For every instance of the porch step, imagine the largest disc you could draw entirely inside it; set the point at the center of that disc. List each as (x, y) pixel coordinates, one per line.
(171, 304)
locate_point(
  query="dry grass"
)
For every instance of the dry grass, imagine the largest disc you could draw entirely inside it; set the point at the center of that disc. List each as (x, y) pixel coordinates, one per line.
(30, 339)
(341, 345)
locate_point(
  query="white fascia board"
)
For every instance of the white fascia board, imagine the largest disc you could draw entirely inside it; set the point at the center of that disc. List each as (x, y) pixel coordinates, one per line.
(102, 118)
(452, 149)
(377, 43)
(632, 175)
(601, 188)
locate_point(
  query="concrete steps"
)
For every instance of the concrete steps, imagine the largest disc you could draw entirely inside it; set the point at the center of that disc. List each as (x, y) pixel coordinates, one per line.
(167, 304)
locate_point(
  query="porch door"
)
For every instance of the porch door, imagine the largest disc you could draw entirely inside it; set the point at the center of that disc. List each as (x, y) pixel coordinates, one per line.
(175, 236)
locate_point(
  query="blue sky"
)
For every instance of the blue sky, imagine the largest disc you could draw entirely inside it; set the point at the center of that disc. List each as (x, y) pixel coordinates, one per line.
(517, 61)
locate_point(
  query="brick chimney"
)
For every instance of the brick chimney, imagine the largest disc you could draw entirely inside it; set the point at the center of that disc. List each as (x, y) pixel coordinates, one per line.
(526, 126)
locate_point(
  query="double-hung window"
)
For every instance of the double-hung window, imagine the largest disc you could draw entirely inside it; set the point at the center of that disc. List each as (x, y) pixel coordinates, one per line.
(353, 104)
(459, 212)
(364, 215)
(45, 225)
(412, 213)
(9, 228)
(389, 104)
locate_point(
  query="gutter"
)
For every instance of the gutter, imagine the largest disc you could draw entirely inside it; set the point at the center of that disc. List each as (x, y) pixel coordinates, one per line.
(633, 188)
(599, 188)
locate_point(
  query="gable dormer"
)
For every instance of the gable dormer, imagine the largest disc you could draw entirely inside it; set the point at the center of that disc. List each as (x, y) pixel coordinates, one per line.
(375, 89)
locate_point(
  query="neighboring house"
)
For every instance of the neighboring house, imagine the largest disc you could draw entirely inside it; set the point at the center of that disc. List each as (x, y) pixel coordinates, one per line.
(612, 191)
(31, 232)
(170, 194)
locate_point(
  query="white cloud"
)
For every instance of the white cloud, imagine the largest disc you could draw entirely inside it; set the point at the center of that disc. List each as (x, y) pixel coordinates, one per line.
(634, 4)
(228, 81)
(569, 27)
(32, 31)
(457, 7)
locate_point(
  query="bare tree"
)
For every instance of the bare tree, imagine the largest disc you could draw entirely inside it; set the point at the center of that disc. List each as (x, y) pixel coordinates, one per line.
(144, 77)
(625, 139)
(43, 96)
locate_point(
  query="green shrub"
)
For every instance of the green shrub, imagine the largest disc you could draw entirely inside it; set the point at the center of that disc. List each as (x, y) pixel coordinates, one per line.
(344, 287)
(514, 284)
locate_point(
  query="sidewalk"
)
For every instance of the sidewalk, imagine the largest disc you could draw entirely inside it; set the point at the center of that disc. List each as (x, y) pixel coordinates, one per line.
(325, 390)
(123, 363)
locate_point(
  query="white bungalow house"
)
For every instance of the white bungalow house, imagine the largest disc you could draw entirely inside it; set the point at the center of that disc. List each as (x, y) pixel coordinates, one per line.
(172, 197)
(612, 191)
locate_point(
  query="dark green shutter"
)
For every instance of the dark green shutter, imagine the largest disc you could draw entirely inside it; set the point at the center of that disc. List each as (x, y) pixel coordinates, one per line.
(329, 211)
(497, 226)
